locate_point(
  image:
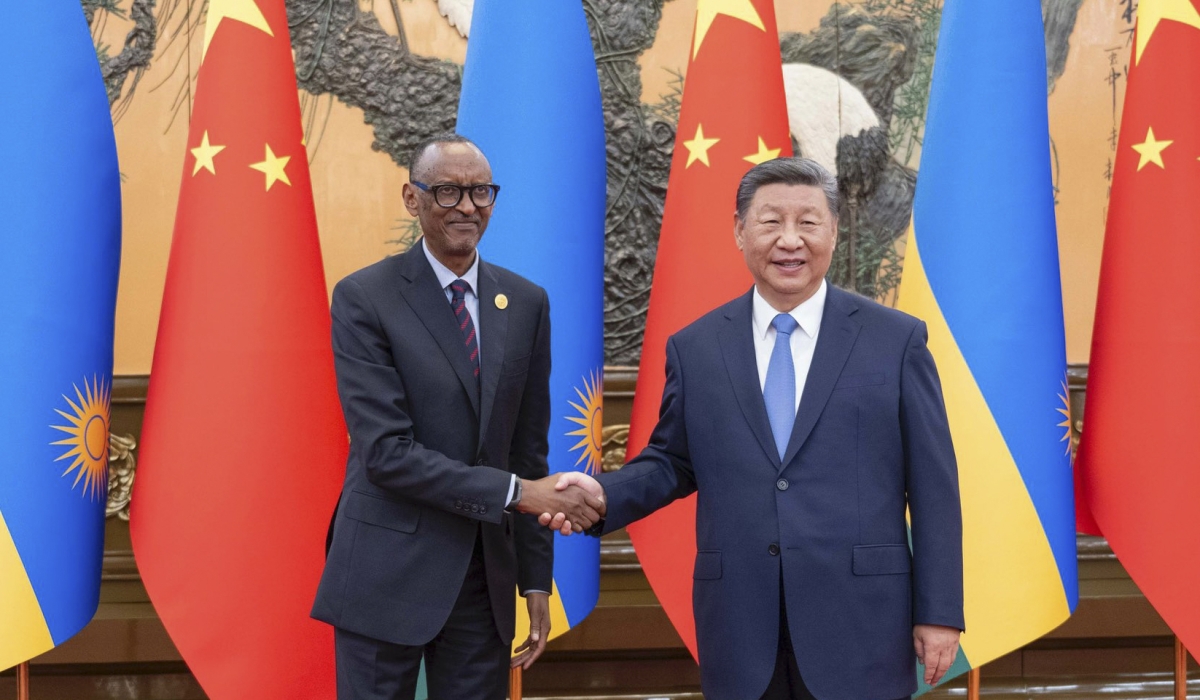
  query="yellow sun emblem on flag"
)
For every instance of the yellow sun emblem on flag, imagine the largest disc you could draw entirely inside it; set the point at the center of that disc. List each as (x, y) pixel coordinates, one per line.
(1066, 413)
(87, 437)
(591, 423)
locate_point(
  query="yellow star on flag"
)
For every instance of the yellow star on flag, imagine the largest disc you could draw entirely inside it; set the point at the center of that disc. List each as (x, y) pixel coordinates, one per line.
(707, 11)
(764, 154)
(1151, 150)
(204, 154)
(698, 147)
(245, 11)
(273, 167)
(1151, 12)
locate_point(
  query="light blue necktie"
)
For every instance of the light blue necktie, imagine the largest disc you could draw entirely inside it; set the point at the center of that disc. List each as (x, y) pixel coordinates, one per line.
(780, 391)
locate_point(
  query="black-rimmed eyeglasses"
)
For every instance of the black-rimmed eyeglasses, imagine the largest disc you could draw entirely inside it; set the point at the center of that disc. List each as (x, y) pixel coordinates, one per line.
(448, 196)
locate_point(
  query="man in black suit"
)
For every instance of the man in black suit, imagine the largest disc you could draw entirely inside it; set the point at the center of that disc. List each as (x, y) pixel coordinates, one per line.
(443, 369)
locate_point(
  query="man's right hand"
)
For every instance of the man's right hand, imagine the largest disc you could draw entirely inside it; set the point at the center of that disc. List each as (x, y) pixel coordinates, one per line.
(577, 507)
(561, 521)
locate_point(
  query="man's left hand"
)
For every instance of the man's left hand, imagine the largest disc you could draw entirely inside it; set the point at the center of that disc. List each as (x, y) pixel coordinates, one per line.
(539, 631)
(936, 647)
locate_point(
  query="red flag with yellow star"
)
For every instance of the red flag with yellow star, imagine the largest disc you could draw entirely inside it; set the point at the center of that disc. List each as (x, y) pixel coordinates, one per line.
(1137, 474)
(243, 445)
(733, 116)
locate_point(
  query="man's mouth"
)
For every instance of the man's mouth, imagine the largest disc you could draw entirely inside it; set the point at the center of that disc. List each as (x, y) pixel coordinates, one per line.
(789, 264)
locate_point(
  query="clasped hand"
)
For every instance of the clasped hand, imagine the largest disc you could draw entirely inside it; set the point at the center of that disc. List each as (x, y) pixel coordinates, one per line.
(568, 502)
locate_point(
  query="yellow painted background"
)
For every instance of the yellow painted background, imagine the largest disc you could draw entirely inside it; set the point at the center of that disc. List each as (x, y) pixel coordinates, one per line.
(357, 189)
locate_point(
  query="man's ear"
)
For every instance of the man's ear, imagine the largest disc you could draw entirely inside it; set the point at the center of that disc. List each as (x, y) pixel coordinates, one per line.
(409, 193)
(739, 231)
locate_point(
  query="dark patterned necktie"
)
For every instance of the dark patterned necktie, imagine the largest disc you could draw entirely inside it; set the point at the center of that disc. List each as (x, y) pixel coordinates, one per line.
(458, 301)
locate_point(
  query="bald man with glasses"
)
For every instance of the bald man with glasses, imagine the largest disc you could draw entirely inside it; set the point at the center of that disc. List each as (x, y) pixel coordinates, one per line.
(443, 368)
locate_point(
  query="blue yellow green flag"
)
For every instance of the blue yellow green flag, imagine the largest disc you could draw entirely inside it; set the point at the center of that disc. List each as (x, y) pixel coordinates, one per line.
(981, 269)
(531, 100)
(59, 253)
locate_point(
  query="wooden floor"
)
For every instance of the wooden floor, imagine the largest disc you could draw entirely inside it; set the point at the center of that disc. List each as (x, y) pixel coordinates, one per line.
(173, 682)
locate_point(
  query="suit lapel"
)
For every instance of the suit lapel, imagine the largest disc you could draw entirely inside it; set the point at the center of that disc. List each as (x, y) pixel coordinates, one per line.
(834, 342)
(493, 331)
(428, 301)
(737, 347)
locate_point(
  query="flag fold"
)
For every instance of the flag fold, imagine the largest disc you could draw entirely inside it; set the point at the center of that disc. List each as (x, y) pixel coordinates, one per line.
(243, 445)
(1138, 478)
(60, 250)
(981, 269)
(531, 100)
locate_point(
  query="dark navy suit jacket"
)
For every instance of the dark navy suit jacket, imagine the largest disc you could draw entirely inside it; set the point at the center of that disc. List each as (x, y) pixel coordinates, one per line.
(432, 452)
(870, 439)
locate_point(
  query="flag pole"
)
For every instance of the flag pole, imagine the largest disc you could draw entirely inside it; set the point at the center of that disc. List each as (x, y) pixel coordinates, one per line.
(23, 680)
(973, 684)
(514, 683)
(1181, 661)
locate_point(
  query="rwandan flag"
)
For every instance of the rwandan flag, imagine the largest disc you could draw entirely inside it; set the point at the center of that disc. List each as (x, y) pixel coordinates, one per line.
(531, 100)
(60, 245)
(981, 269)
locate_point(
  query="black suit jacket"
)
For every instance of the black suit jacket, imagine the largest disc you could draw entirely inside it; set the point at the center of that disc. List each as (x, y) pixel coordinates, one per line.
(432, 451)
(870, 440)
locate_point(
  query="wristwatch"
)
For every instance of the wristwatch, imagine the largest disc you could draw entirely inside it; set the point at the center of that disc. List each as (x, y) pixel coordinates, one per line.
(516, 497)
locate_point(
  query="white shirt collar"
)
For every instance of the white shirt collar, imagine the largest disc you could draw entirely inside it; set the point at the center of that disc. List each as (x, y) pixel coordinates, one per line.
(445, 275)
(808, 314)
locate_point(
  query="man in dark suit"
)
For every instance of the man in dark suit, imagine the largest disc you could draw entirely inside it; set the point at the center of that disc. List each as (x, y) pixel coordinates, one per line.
(443, 367)
(808, 420)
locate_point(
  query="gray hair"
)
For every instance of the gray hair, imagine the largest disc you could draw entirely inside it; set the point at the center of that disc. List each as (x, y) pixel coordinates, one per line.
(418, 152)
(787, 171)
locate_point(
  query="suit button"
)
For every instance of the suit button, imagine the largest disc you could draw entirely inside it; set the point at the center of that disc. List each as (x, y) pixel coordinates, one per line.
(474, 509)
(482, 509)
(458, 505)
(481, 463)
(773, 550)
(782, 484)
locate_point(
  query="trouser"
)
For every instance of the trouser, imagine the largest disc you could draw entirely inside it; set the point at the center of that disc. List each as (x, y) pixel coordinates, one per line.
(786, 683)
(466, 660)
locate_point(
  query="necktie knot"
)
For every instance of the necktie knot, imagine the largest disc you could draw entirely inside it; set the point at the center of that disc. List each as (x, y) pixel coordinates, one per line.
(784, 324)
(459, 289)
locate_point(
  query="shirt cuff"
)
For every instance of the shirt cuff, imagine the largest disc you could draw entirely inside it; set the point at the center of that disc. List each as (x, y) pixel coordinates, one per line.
(512, 487)
(533, 590)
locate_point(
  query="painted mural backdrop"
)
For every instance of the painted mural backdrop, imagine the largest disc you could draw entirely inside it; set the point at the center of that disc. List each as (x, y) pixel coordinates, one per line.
(378, 76)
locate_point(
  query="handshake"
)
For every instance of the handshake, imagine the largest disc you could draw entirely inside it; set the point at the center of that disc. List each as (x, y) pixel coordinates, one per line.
(567, 502)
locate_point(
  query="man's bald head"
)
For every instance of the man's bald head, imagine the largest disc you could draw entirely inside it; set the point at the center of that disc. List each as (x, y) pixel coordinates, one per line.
(418, 161)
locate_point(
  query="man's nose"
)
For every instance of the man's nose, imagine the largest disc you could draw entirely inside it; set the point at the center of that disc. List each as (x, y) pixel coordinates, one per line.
(790, 239)
(465, 204)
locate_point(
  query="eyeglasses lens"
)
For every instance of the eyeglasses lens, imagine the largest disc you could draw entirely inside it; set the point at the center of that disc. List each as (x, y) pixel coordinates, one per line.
(451, 195)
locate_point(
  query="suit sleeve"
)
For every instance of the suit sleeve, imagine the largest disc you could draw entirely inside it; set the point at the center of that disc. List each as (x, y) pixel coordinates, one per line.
(931, 478)
(662, 472)
(527, 459)
(376, 408)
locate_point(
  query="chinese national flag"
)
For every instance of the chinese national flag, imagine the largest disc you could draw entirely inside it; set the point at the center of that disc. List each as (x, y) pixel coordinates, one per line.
(733, 116)
(1138, 471)
(243, 446)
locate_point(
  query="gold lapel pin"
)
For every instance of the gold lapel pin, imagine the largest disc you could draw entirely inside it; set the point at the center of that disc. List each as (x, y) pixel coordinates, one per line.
(501, 302)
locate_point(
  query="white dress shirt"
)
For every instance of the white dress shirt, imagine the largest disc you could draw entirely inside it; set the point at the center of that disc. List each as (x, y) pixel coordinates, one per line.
(804, 338)
(445, 276)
